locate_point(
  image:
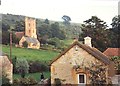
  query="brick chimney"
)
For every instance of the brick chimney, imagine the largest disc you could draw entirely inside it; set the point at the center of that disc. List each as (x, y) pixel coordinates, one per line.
(87, 41)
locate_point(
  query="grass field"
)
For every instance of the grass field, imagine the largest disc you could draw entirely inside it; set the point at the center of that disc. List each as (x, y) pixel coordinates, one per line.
(36, 76)
(30, 54)
(33, 55)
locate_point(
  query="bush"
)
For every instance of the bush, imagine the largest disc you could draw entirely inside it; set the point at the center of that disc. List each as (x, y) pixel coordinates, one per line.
(57, 82)
(22, 66)
(5, 81)
(25, 44)
(37, 66)
(25, 81)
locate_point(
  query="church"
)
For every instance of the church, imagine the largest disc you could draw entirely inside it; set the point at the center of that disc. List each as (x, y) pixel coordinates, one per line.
(30, 36)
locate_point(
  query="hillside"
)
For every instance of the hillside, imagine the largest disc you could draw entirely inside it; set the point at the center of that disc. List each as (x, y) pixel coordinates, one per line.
(17, 22)
(30, 54)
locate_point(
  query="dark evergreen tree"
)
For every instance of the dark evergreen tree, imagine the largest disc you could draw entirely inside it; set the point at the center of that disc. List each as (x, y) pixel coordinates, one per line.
(96, 29)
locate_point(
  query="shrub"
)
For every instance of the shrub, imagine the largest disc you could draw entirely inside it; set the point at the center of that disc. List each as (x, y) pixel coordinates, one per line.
(5, 81)
(57, 82)
(37, 66)
(25, 81)
(22, 66)
(25, 44)
(116, 60)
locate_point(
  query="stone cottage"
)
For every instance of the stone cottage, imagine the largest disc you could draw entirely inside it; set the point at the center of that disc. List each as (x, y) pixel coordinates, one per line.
(69, 66)
(6, 67)
(30, 35)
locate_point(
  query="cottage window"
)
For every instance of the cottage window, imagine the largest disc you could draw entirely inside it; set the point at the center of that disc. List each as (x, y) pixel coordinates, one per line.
(81, 78)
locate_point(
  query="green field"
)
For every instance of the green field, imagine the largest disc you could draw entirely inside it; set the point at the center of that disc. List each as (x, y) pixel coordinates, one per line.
(36, 76)
(33, 55)
(30, 54)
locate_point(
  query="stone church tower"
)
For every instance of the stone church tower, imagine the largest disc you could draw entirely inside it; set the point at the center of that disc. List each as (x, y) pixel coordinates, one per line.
(30, 27)
(30, 34)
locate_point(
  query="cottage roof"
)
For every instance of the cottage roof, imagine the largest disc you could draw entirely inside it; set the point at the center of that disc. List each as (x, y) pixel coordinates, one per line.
(93, 51)
(31, 40)
(112, 52)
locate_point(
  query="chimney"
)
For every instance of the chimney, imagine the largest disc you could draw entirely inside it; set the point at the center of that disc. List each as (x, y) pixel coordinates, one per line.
(87, 41)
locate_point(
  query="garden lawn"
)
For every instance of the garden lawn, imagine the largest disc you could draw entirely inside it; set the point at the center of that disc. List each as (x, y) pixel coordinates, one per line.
(30, 54)
(36, 76)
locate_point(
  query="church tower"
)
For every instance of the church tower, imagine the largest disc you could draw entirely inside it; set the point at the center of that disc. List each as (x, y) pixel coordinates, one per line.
(30, 27)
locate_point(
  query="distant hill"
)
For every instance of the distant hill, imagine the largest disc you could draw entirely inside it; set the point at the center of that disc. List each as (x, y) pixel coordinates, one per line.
(71, 31)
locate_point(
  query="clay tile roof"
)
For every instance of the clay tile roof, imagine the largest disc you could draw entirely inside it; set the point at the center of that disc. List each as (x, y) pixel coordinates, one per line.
(112, 52)
(96, 53)
(19, 34)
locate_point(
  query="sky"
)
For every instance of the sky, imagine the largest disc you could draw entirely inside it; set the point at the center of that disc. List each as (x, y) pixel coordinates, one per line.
(77, 10)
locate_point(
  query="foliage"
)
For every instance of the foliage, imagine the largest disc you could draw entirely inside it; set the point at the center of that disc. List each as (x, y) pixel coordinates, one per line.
(19, 26)
(96, 29)
(116, 24)
(36, 76)
(58, 44)
(116, 60)
(97, 74)
(46, 21)
(5, 27)
(37, 66)
(56, 32)
(57, 82)
(44, 30)
(115, 30)
(25, 81)
(66, 19)
(5, 80)
(25, 44)
(5, 37)
(14, 64)
(22, 66)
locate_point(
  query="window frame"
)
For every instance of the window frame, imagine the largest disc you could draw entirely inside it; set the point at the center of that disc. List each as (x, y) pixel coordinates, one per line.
(84, 78)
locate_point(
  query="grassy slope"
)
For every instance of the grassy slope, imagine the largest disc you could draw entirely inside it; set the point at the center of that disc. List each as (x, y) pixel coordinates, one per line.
(30, 54)
(33, 54)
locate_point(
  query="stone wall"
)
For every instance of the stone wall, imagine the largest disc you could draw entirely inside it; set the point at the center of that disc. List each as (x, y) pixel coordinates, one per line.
(7, 67)
(63, 67)
(116, 80)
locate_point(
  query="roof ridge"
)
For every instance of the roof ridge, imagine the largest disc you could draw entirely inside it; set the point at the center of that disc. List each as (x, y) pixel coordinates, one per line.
(96, 53)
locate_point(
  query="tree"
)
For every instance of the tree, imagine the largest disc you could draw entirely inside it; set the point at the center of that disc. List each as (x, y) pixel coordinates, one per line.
(14, 64)
(115, 31)
(5, 27)
(56, 32)
(22, 66)
(46, 21)
(66, 19)
(96, 29)
(5, 37)
(116, 24)
(44, 29)
(19, 26)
